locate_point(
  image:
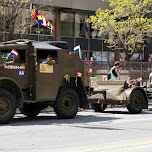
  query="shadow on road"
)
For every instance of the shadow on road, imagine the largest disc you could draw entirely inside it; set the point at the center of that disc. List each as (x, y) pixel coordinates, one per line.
(20, 120)
(127, 112)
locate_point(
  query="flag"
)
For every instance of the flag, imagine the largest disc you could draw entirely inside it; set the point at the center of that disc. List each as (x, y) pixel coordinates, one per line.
(79, 74)
(5, 66)
(104, 77)
(14, 52)
(139, 79)
(77, 48)
(90, 70)
(41, 19)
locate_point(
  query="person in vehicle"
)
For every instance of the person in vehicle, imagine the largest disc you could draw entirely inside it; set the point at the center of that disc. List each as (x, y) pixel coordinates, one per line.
(17, 59)
(49, 60)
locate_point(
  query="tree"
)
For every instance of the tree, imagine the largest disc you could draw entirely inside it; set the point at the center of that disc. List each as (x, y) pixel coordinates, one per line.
(16, 19)
(129, 23)
(11, 15)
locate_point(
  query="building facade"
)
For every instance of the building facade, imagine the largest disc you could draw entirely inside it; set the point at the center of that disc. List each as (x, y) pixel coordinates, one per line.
(69, 19)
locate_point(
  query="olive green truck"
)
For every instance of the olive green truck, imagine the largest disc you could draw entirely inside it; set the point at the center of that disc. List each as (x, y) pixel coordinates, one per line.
(33, 84)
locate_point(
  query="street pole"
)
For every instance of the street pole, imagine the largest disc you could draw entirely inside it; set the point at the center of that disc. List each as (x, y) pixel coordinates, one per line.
(4, 25)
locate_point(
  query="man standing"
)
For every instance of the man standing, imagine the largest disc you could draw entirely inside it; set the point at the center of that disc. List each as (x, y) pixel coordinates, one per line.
(114, 73)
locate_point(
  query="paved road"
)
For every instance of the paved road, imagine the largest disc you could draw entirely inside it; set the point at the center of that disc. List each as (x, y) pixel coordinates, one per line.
(115, 130)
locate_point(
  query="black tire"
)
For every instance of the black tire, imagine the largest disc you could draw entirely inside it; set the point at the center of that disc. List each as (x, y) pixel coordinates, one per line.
(31, 110)
(66, 104)
(7, 106)
(136, 102)
(98, 107)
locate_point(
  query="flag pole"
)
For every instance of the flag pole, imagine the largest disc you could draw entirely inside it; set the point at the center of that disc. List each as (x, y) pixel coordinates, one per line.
(31, 20)
(38, 32)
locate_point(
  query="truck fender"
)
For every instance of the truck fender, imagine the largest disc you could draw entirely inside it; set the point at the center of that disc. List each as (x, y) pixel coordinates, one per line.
(129, 91)
(11, 85)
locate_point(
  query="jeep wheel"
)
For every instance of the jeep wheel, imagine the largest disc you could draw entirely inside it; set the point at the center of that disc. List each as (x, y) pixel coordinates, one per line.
(136, 102)
(31, 110)
(66, 104)
(7, 106)
(98, 107)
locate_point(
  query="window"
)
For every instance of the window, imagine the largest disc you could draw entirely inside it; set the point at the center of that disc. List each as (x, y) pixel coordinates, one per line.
(67, 24)
(81, 26)
(42, 56)
(10, 58)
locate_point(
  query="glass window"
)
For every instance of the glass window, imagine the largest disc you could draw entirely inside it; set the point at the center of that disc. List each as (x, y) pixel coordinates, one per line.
(43, 56)
(95, 33)
(67, 24)
(81, 26)
(84, 55)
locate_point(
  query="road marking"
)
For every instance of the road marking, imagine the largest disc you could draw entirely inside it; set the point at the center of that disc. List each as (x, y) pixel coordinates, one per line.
(119, 146)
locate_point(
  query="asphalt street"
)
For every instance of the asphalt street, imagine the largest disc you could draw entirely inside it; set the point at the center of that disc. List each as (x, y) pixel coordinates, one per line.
(115, 130)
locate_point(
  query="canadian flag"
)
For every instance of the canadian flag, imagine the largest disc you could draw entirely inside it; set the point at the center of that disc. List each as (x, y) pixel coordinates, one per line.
(90, 70)
(79, 74)
(92, 82)
(5, 66)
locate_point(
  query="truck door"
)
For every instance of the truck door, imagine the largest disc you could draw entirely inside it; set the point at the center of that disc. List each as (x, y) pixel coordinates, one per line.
(46, 75)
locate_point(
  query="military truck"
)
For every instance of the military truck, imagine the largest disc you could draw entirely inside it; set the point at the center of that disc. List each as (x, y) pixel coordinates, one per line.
(34, 84)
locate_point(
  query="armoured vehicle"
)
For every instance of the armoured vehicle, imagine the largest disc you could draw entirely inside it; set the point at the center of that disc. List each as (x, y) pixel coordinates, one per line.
(33, 84)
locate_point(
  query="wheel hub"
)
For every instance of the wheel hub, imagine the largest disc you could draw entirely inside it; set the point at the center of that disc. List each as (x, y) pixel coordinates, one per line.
(4, 106)
(68, 103)
(137, 101)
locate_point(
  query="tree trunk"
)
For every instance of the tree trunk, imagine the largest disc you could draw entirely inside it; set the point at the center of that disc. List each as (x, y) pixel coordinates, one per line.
(128, 56)
(117, 55)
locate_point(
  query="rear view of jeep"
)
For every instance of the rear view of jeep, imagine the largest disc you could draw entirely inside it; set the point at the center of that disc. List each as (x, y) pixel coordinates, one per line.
(35, 75)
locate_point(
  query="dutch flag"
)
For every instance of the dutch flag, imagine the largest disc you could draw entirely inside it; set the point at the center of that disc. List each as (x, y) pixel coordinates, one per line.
(14, 52)
(76, 48)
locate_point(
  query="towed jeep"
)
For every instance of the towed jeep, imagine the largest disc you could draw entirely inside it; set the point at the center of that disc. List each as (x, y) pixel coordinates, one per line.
(34, 84)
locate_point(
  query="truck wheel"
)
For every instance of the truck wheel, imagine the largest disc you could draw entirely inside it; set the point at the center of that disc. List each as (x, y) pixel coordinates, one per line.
(66, 104)
(7, 106)
(136, 102)
(31, 110)
(98, 107)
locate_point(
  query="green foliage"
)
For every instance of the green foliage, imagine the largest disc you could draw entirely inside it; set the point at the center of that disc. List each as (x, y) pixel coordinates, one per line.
(128, 20)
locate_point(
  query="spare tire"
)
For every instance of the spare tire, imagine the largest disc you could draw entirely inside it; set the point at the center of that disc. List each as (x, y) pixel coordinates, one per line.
(98, 107)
